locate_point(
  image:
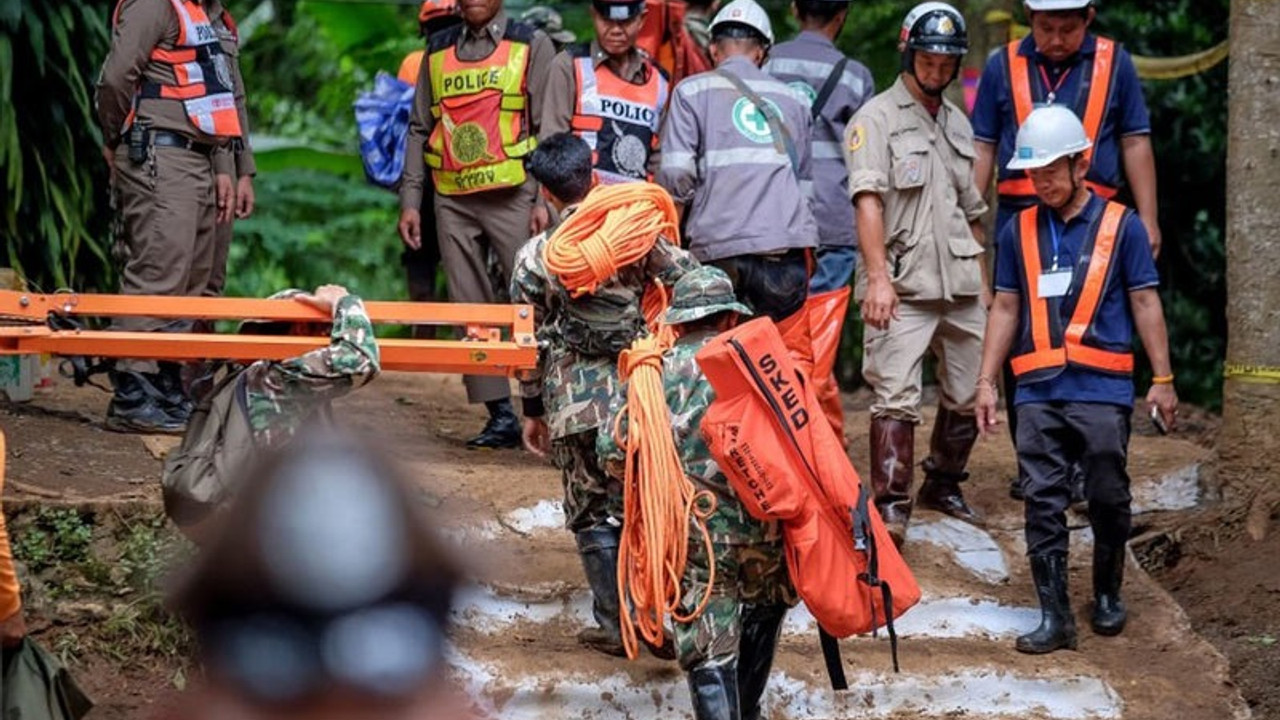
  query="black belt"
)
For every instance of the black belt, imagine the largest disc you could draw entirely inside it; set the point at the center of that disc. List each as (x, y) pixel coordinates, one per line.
(164, 138)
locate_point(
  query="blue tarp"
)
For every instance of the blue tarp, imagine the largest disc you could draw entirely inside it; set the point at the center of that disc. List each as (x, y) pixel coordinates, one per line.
(382, 117)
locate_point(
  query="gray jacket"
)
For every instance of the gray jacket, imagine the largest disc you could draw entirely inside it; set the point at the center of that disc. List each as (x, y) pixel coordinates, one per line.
(805, 63)
(719, 159)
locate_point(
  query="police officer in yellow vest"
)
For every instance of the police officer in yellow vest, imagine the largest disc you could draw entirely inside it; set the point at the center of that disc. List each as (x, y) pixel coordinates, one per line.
(242, 155)
(610, 94)
(166, 105)
(476, 114)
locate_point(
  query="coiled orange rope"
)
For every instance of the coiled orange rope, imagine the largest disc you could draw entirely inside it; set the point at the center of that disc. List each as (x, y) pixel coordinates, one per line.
(660, 505)
(616, 226)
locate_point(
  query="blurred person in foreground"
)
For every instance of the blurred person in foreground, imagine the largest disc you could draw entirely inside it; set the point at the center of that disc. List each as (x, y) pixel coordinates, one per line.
(323, 593)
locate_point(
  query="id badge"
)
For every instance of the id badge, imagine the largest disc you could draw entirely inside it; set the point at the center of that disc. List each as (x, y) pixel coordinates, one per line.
(1054, 283)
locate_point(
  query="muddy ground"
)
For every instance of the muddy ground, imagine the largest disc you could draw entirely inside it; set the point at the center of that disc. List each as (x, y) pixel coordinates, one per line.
(58, 453)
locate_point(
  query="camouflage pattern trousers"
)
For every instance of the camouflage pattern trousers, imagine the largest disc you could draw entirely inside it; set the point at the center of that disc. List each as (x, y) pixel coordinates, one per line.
(591, 497)
(746, 575)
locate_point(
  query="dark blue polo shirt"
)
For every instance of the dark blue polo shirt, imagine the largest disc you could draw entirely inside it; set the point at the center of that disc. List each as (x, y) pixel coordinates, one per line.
(994, 120)
(1113, 323)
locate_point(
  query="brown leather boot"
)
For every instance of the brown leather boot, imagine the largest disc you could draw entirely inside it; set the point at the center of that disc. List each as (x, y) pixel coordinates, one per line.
(949, 447)
(892, 451)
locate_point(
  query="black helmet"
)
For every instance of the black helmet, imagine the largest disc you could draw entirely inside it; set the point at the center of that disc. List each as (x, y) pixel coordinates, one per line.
(935, 27)
(932, 27)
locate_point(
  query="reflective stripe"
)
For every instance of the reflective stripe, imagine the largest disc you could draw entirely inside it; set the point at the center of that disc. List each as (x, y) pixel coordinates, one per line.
(686, 161)
(1023, 187)
(744, 156)
(814, 71)
(827, 150)
(1073, 350)
(711, 81)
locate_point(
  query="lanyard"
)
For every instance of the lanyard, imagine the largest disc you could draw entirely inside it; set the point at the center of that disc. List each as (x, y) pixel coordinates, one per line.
(1051, 87)
(1053, 234)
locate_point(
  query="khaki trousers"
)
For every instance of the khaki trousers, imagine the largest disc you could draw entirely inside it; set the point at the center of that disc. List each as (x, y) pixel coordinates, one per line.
(470, 228)
(893, 359)
(168, 211)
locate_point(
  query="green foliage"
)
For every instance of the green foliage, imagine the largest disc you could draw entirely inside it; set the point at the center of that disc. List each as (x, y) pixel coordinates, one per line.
(313, 228)
(55, 536)
(53, 217)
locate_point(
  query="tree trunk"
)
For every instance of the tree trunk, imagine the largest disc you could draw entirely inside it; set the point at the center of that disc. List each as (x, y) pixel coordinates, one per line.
(1248, 468)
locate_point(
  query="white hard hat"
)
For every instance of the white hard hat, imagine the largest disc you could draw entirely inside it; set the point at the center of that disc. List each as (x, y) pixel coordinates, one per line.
(1049, 5)
(745, 12)
(1050, 132)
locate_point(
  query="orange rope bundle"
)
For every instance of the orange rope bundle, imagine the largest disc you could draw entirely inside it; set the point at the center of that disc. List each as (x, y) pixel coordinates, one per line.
(660, 505)
(615, 226)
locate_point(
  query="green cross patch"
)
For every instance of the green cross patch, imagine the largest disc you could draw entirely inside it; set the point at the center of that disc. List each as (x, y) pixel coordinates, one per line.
(752, 123)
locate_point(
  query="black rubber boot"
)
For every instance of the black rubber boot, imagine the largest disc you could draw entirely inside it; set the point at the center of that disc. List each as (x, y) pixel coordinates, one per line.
(138, 406)
(598, 548)
(953, 437)
(1057, 625)
(761, 627)
(714, 689)
(501, 431)
(1109, 614)
(175, 401)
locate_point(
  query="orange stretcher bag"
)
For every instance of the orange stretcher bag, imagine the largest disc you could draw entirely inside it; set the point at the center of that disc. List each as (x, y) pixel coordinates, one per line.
(812, 334)
(766, 433)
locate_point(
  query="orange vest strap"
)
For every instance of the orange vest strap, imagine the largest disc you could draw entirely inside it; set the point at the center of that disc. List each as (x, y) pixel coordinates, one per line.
(1099, 92)
(1019, 82)
(1095, 282)
(1030, 233)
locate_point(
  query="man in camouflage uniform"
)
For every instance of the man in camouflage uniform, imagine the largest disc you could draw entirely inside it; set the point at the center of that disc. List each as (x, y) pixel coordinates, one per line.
(728, 649)
(566, 398)
(282, 395)
(279, 397)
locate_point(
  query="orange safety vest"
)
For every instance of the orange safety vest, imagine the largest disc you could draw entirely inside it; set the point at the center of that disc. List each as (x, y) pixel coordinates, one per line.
(1050, 348)
(203, 74)
(1095, 109)
(617, 118)
(480, 110)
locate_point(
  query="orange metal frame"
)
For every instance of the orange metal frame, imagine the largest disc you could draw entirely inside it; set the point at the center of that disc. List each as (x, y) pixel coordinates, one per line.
(499, 338)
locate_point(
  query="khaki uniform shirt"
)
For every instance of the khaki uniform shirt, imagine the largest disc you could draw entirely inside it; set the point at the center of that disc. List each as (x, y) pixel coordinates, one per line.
(473, 44)
(141, 26)
(922, 169)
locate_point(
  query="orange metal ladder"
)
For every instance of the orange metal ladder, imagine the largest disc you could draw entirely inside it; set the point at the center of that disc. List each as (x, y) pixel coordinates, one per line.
(499, 339)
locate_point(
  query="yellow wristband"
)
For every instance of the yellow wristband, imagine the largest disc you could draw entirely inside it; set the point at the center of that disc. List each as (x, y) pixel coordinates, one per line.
(1162, 379)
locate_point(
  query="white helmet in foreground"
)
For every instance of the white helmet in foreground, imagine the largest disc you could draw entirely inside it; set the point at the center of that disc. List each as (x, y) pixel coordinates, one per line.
(1050, 132)
(744, 12)
(1051, 5)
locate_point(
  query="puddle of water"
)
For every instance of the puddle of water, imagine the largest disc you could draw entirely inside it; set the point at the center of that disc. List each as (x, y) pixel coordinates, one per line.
(546, 515)
(1178, 490)
(942, 618)
(483, 610)
(971, 693)
(973, 548)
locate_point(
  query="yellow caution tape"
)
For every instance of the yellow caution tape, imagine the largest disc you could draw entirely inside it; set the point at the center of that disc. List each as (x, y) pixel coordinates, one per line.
(1252, 373)
(1149, 68)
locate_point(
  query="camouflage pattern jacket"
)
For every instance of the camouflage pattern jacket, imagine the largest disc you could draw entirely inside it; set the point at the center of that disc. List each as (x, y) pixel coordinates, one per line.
(570, 390)
(689, 395)
(282, 395)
